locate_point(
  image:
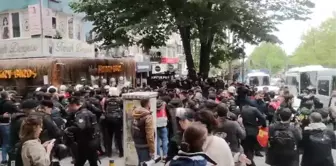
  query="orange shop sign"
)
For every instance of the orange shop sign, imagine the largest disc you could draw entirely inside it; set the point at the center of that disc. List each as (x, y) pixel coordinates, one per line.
(17, 73)
(109, 68)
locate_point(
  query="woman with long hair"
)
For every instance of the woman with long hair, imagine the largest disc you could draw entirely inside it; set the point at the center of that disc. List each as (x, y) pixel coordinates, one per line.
(34, 153)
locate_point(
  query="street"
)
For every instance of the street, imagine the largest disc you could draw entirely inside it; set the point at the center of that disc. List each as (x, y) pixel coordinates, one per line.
(260, 161)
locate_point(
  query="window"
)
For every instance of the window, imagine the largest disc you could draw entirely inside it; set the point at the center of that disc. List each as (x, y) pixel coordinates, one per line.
(53, 21)
(333, 86)
(265, 80)
(254, 81)
(323, 87)
(16, 24)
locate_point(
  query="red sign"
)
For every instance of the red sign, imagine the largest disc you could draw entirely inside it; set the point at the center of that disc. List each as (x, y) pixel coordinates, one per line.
(169, 60)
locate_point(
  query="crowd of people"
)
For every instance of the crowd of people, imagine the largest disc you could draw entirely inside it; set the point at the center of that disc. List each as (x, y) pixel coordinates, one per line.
(197, 123)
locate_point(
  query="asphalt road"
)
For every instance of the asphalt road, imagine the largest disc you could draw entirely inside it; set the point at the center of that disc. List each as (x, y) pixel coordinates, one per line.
(260, 161)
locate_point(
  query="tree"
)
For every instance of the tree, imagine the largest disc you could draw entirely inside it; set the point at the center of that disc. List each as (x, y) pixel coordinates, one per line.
(318, 46)
(150, 22)
(268, 56)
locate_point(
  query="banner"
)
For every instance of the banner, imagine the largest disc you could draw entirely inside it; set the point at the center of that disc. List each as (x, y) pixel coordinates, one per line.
(20, 48)
(34, 14)
(5, 26)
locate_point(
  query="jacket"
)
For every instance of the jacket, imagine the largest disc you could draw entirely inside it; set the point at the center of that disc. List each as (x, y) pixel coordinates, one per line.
(191, 159)
(252, 119)
(317, 154)
(174, 146)
(50, 128)
(218, 150)
(34, 154)
(161, 117)
(143, 129)
(233, 133)
(9, 107)
(14, 128)
(271, 156)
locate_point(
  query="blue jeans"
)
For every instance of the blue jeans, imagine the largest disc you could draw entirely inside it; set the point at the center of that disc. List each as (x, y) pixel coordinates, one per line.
(4, 131)
(162, 140)
(143, 155)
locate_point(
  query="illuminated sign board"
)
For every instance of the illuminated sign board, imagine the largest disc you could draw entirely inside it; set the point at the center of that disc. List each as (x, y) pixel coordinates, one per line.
(17, 73)
(109, 68)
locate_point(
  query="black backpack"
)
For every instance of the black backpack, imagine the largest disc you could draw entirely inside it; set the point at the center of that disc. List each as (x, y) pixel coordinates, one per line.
(283, 143)
(113, 110)
(86, 121)
(14, 155)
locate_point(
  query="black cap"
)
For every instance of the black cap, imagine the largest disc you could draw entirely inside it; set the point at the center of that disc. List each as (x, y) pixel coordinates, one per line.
(29, 104)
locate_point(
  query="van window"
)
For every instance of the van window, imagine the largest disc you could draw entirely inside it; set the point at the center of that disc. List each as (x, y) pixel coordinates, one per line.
(291, 80)
(333, 85)
(265, 80)
(323, 87)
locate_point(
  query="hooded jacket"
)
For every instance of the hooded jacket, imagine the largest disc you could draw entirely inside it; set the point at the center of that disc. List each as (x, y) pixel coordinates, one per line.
(316, 148)
(143, 129)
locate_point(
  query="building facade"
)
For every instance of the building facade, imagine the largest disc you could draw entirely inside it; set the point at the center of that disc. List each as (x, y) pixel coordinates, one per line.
(23, 22)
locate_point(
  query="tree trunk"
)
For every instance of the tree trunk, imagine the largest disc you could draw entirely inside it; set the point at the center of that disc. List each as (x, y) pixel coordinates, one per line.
(186, 41)
(205, 51)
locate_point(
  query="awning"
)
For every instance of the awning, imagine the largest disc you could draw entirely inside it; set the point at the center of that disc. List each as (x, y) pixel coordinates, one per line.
(143, 67)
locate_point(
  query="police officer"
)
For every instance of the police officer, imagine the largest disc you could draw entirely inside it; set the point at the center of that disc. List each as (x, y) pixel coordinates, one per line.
(113, 121)
(84, 130)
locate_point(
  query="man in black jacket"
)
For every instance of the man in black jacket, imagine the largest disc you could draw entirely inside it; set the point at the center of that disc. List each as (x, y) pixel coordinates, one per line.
(276, 156)
(317, 143)
(252, 119)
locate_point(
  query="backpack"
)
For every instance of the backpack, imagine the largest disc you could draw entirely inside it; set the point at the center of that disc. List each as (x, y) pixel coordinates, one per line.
(283, 143)
(321, 143)
(86, 121)
(113, 110)
(14, 155)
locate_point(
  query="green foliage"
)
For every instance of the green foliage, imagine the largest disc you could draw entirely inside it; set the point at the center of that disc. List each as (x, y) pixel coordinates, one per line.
(268, 56)
(318, 46)
(149, 23)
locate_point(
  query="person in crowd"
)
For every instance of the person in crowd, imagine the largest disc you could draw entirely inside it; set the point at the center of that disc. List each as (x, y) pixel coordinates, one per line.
(143, 132)
(161, 128)
(84, 133)
(317, 143)
(7, 107)
(112, 121)
(232, 131)
(216, 147)
(283, 141)
(50, 128)
(252, 119)
(34, 153)
(184, 117)
(27, 107)
(191, 153)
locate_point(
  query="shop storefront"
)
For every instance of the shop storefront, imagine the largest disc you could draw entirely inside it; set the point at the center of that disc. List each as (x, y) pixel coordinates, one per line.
(142, 72)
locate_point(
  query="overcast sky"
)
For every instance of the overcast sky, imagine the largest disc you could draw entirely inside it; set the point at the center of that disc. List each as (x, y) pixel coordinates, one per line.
(290, 31)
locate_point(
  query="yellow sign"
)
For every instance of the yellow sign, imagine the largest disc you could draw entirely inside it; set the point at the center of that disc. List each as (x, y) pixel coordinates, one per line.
(17, 73)
(109, 69)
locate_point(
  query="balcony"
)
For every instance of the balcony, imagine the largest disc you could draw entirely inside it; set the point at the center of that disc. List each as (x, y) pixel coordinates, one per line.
(37, 47)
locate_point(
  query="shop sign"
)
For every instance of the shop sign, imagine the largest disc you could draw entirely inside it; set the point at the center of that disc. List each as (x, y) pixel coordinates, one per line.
(160, 77)
(109, 69)
(143, 66)
(68, 48)
(17, 73)
(20, 48)
(169, 60)
(26, 48)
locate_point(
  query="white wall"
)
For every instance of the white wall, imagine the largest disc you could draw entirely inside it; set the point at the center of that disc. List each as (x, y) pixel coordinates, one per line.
(62, 25)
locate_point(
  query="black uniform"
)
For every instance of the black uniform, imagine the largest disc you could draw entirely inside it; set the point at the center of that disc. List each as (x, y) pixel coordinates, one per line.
(112, 124)
(85, 133)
